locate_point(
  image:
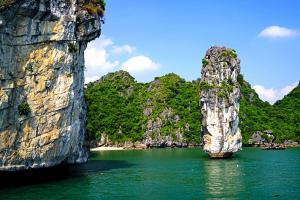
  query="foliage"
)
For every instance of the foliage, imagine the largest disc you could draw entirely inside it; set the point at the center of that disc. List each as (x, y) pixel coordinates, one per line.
(72, 48)
(256, 115)
(96, 7)
(24, 108)
(222, 94)
(240, 79)
(116, 105)
(223, 90)
(113, 107)
(229, 53)
(5, 2)
(206, 86)
(204, 62)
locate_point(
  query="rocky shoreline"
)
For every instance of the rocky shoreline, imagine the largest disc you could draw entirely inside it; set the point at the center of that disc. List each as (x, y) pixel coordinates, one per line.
(267, 140)
(141, 146)
(275, 145)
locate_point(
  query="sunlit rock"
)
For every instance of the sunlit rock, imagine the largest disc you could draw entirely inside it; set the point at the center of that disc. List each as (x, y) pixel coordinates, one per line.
(42, 107)
(220, 95)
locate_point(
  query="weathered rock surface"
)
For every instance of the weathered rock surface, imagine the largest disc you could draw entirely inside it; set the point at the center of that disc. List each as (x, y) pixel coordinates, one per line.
(220, 95)
(41, 72)
(153, 136)
(261, 138)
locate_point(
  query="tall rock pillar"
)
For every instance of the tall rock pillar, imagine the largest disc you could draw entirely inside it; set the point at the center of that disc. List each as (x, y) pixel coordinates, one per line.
(219, 98)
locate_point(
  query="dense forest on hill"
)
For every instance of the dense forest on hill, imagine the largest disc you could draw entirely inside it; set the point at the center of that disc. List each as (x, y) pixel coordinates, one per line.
(121, 107)
(283, 118)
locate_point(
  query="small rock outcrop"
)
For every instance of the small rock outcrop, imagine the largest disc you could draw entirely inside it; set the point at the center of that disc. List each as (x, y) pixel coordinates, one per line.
(42, 107)
(220, 95)
(154, 136)
(262, 138)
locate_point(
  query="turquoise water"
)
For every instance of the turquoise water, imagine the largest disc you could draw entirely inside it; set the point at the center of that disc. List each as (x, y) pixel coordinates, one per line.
(166, 174)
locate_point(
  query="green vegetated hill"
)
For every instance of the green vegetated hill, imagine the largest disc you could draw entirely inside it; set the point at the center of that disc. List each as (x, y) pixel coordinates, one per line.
(283, 118)
(126, 110)
(114, 107)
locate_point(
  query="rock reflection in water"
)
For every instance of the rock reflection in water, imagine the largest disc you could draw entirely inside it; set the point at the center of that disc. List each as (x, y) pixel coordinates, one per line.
(223, 178)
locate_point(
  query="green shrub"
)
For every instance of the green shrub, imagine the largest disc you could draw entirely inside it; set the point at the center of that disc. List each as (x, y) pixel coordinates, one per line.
(72, 48)
(5, 2)
(205, 85)
(222, 94)
(24, 108)
(229, 53)
(96, 7)
(204, 62)
(230, 81)
(240, 79)
(226, 86)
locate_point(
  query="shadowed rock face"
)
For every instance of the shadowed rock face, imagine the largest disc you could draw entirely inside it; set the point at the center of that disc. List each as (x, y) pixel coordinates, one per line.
(42, 107)
(220, 95)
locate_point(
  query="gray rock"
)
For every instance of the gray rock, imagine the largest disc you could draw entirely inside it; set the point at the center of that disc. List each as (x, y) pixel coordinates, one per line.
(220, 95)
(147, 112)
(42, 46)
(153, 136)
(259, 138)
(290, 143)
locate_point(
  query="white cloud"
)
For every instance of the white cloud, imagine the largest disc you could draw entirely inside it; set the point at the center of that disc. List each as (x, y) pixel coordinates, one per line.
(103, 56)
(265, 93)
(140, 64)
(125, 49)
(104, 42)
(91, 79)
(288, 88)
(277, 32)
(272, 95)
(97, 60)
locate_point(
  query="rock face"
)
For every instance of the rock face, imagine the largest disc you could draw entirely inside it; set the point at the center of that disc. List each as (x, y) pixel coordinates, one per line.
(42, 107)
(153, 136)
(220, 95)
(261, 138)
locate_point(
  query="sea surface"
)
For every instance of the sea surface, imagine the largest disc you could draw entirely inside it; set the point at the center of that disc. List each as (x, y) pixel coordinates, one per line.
(164, 174)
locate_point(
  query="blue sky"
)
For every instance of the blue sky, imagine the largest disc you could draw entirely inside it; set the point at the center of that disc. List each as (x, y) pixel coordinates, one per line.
(152, 38)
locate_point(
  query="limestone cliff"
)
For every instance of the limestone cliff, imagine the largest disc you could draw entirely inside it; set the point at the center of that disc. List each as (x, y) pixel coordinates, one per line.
(220, 95)
(42, 107)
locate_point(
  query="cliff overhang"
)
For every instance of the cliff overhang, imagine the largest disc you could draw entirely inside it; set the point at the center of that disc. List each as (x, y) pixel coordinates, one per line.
(42, 107)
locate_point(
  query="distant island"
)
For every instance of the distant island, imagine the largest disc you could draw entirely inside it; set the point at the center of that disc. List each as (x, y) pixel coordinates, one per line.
(166, 112)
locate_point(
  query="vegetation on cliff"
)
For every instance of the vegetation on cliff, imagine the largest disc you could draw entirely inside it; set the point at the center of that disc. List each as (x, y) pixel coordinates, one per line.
(95, 7)
(24, 108)
(121, 107)
(5, 3)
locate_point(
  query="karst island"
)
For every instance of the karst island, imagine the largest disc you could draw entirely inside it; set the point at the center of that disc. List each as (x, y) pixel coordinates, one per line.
(104, 99)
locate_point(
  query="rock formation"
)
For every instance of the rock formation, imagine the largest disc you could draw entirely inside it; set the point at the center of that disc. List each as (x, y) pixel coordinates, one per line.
(260, 138)
(42, 107)
(153, 136)
(220, 95)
